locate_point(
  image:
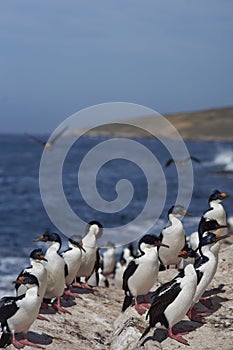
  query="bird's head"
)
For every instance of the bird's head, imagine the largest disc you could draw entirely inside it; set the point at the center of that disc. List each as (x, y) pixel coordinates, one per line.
(38, 255)
(218, 196)
(148, 242)
(27, 279)
(50, 237)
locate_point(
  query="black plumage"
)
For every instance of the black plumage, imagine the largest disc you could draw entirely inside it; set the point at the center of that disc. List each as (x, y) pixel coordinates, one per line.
(8, 308)
(131, 268)
(162, 297)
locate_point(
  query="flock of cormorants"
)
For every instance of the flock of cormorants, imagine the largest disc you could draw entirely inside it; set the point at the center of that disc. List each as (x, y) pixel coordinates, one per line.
(51, 275)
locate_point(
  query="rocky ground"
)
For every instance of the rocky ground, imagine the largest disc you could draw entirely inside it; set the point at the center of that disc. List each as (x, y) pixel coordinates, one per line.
(96, 320)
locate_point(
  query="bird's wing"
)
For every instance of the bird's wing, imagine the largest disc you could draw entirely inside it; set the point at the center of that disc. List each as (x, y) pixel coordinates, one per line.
(162, 297)
(169, 162)
(131, 268)
(8, 307)
(36, 139)
(200, 261)
(66, 271)
(54, 139)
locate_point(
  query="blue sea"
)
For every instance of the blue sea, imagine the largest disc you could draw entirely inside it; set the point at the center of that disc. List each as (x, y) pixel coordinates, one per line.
(23, 216)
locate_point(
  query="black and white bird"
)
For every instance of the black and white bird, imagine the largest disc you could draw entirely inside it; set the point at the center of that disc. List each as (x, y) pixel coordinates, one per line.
(109, 259)
(207, 266)
(97, 278)
(56, 267)
(93, 232)
(216, 210)
(48, 145)
(171, 302)
(205, 225)
(38, 269)
(17, 314)
(181, 163)
(128, 253)
(121, 266)
(173, 235)
(141, 273)
(73, 258)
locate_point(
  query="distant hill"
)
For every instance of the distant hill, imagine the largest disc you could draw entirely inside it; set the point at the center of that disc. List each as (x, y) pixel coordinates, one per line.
(211, 124)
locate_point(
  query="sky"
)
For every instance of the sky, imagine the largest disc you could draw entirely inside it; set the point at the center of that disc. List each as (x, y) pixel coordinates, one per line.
(58, 57)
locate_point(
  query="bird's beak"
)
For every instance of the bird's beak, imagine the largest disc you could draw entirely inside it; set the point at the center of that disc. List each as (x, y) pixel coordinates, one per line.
(41, 238)
(80, 245)
(223, 226)
(20, 280)
(219, 237)
(183, 254)
(160, 244)
(224, 195)
(184, 212)
(42, 257)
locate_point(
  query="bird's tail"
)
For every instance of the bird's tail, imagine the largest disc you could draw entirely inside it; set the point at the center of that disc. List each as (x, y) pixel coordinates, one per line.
(145, 332)
(5, 340)
(127, 302)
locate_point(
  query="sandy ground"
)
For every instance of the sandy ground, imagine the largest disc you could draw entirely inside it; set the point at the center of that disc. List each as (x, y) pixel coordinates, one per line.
(97, 319)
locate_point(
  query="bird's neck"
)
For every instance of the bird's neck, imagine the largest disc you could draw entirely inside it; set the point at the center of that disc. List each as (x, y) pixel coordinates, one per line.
(55, 246)
(215, 204)
(36, 263)
(173, 220)
(89, 240)
(33, 291)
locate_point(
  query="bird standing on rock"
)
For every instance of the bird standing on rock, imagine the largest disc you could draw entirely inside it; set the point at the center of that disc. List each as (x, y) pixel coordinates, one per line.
(109, 259)
(73, 259)
(17, 314)
(173, 235)
(171, 302)
(207, 265)
(56, 268)
(93, 232)
(141, 273)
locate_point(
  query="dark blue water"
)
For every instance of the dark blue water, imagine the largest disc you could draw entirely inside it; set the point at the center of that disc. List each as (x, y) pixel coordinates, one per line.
(22, 215)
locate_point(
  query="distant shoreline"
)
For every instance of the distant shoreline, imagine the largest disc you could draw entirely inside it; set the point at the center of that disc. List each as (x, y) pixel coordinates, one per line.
(206, 125)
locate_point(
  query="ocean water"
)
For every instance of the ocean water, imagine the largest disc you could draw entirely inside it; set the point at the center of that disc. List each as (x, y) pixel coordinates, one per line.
(23, 216)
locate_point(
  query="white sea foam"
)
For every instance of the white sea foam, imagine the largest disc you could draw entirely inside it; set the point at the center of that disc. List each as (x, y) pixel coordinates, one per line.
(10, 267)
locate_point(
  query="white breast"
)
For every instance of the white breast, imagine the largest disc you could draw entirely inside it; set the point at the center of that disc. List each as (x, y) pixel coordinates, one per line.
(88, 258)
(174, 237)
(56, 273)
(73, 260)
(176, 311)
(208, 269)
(109, 260)
(145, 275)
(218, 213)
(27, 313)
